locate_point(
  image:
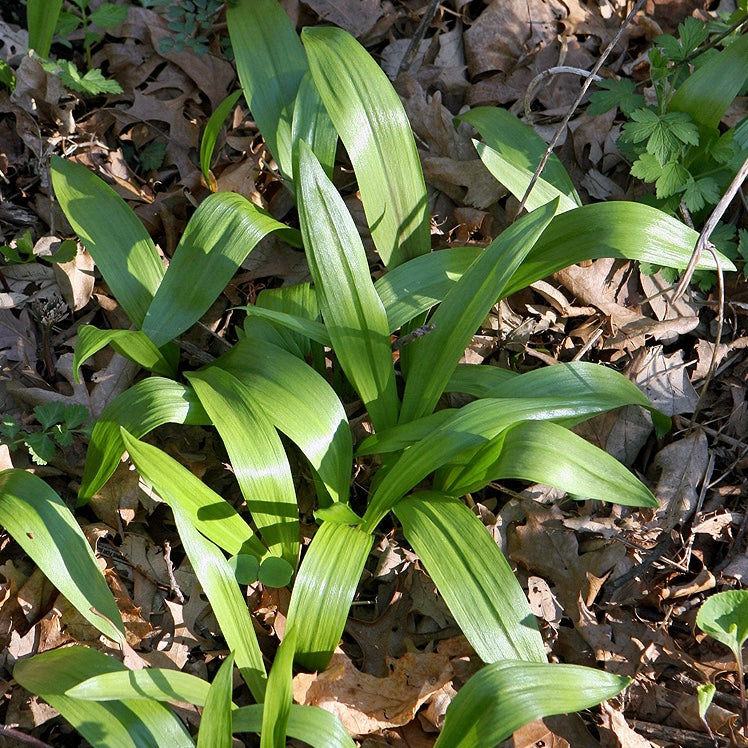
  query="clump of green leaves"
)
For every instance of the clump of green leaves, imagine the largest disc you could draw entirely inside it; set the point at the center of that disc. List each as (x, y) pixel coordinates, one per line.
(21, 251)
(59, 424)
(189, 21)
(79, 16)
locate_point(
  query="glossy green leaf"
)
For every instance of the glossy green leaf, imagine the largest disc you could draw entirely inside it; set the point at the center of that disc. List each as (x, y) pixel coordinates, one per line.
(472, 576)
(145, 406)
(216, 721)
(112, 234)
(41, 20)
(374, 128)
(178, 487)
(505, 696)
(479, 381)
(471, 427)
(210, 135)
(404, 435)
(279, 695)
(312, 124)
(300, 403)
(41, 523)
(270, 61)
(131, 344)
(310, 724)
(724, 616)
(333, 564)
(125, 724)
(257, 457)
(544, 452)
(521, 149)
(275, 571)
(435, 356)
(219, 236)
(352, 311)
(711, 88)
(245, 568)
(310, 328)
(226, 600)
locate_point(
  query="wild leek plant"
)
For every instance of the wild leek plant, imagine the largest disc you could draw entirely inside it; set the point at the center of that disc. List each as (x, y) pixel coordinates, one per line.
(305, 93)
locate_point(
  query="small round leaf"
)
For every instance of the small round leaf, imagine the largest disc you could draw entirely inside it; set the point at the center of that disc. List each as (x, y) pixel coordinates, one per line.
(724, 616)
(245, 568)
(275, 572)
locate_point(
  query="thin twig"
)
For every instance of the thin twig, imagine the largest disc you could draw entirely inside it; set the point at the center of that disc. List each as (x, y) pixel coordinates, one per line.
(717, 39)
(415, 42)
(538, 79)
(585, 86)
(21, 737)
(711, 223)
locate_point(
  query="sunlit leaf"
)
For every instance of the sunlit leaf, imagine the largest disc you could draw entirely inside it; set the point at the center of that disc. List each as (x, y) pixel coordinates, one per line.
(210, 135)
(279, 695)
(216, 721)
(724, 616)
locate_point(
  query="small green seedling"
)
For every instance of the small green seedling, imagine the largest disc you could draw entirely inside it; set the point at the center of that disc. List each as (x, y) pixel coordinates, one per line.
(724, 617)
(704, 695)
(21, 251)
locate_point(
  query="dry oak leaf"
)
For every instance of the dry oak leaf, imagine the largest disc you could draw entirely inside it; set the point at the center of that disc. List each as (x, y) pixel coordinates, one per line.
(366, 704)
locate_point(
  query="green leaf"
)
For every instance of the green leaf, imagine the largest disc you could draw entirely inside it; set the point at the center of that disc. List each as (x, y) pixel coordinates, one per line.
(40, 522)
(709, 91)
(7, 76)
(312, 124)
(435, 356)
(279, 695)
(352, 311)
(480, 381)
(612, 93)
(210, 135)
(257, 456)
(367, 113)
(178, 487)
(217, 239)
(504, 696)
(647, 168)
(724, 616)
(472, 576)
(310, 328)
(41, 447)
(245, 568)
(673, 179)
(310, 724)
(50, 413)
(145, 406)
(520, 149)
(216, 719)
(132, 344)
(119, 245)
(700, 192)
(275, 572)
(157, 684)
(41, 20)
(544, 452)
(152, 155)
(644, 122)
(270, 61)
(226, 600)
(108, 15)
(704, 695)
(334, 563)
(128, 723)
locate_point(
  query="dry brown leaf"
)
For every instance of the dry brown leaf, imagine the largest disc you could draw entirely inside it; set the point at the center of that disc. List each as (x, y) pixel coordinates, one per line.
(615, 732)
(76, 279)
(366, 704)
(664, 380)
(537, 733)
(358, 17)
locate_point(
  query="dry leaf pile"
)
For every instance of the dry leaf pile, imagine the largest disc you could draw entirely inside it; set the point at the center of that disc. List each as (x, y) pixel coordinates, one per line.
(612, 587)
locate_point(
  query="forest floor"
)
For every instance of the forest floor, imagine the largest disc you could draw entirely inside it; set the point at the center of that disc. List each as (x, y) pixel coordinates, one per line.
(614, 588)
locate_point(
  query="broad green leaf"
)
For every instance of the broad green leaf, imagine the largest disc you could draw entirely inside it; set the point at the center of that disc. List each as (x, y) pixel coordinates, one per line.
(374, 128)
(352, 311)
(724, 616)
(708, 91)
(479, 381)
(520, 150)
(216, 721)
(435, 356)
(128, 723)
(158, 684)
(505, 696)
(131, 344)
(279, 695)
(299, 301)
(40, 522)
(471, 427)
(544, 452)
(226, 600)
(333, 565)
(404, 435)
(257, 457)
(516, 180)
(300, 404)
(312, 124)
(310, 724)
(310, 328)
(145, 406)
(472, 576)
(41, 20)
(210, 136)
(181, 489)
(112, 234)
(270, 61)
(219, 236)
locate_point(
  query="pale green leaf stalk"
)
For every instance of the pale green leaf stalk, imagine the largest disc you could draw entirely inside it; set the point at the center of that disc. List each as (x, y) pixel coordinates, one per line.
(41, 19)
(367, 113)
(352, 311)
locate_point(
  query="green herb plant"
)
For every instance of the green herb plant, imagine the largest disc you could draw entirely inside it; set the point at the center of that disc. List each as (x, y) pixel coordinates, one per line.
(676, 142)
(305, 94)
